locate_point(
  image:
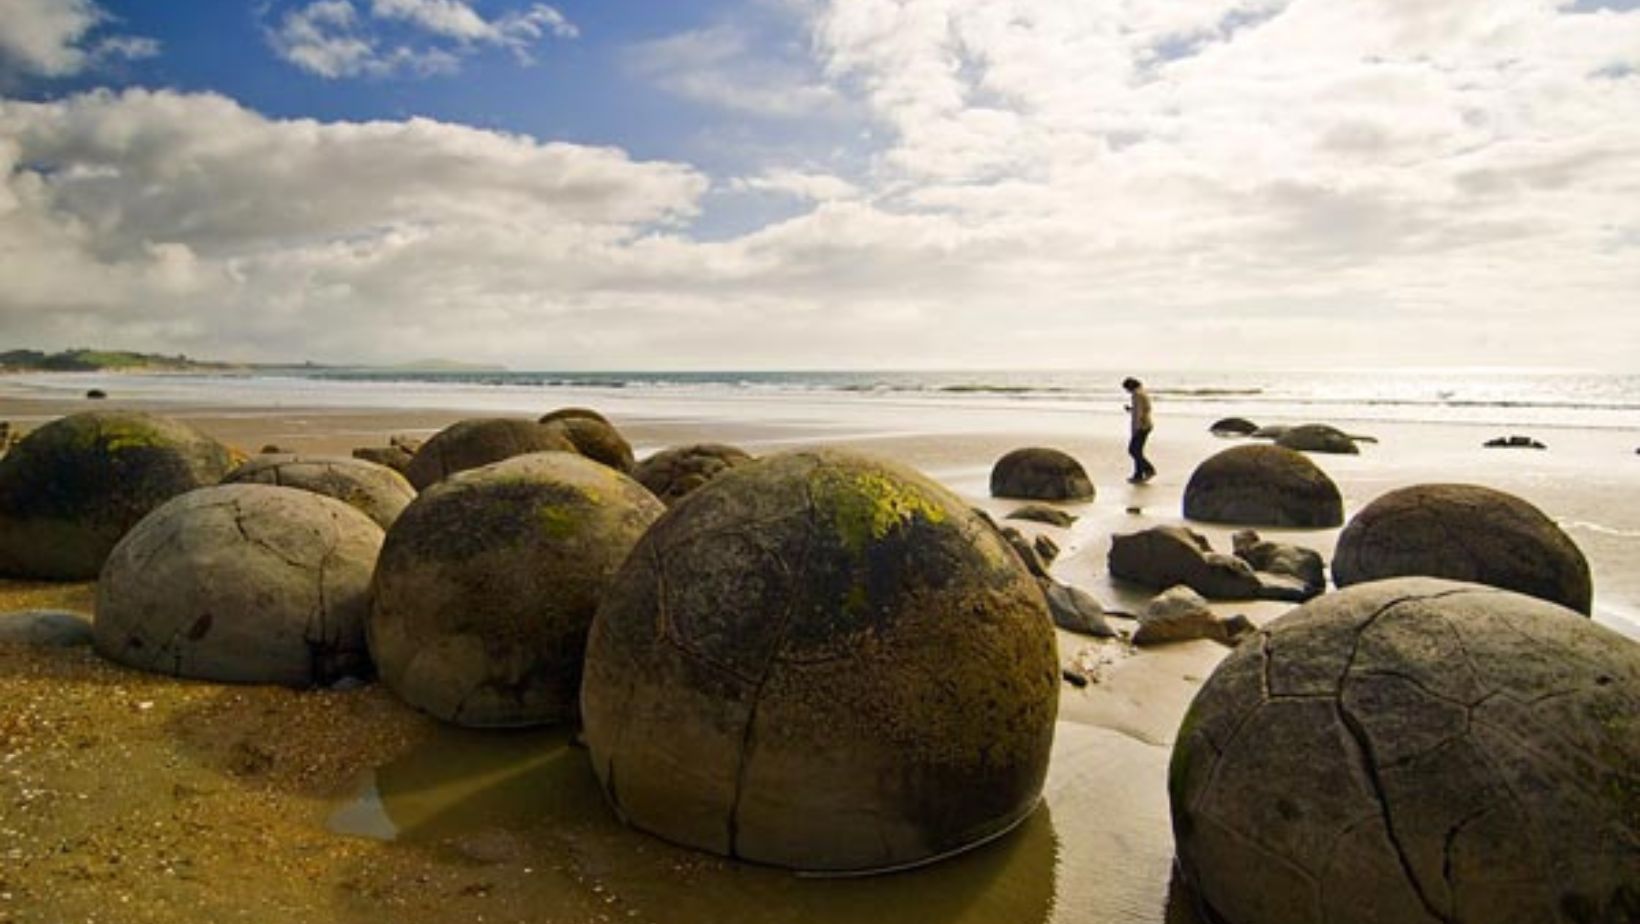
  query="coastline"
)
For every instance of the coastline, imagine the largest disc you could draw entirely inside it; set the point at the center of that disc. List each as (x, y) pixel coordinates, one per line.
(228, 800)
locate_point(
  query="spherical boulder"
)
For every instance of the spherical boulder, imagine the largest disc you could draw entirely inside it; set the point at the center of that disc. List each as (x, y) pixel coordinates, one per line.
(673, 473)
(1318, 438)
(488, 582)
(73, 487)
(244, 583)
(471, 443)
(1039, 473)
(826, 662)
(1417, 751)
(1465, 533)
(1262, 485)
(377, 491)
(598, 440)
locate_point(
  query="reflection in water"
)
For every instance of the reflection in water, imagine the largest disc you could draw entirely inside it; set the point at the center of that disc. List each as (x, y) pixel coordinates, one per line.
(541, 789)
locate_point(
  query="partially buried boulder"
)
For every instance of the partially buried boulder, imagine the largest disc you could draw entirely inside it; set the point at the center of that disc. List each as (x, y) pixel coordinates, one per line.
(245, 583)
(1420, 752)
(1163, 556)
(45, 629)
(1262, 486)
(1038, 473)
(598, 440)
(1179, 614)
(672, 473)
(488, 582)
(472, 443)
(1042, 513)
(573, 413)
(374, 490)
(73, 487)
(826, 662)
(1465, 533)
(1233, 426)
(1318, 438)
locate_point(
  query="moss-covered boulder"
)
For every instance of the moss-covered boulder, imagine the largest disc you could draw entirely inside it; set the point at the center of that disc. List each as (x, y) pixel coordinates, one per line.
(377, 491)
(1262, 485)
(1465, 533)
(244, 583)
(471, 443)
(1040, 473)
(488, 582)
(1420, 752)
(1318, 438)
(73, 487)
(673, 473)
(598, 440)
(826, 662)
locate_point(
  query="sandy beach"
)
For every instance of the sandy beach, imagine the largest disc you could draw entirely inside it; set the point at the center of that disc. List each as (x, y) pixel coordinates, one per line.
(129, 797)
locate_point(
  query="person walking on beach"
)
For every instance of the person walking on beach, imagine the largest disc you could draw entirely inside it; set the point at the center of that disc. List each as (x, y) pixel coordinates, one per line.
(1140, 425)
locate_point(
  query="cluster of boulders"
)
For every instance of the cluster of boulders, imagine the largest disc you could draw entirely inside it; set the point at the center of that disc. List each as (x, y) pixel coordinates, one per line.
(828, 662)
(1310, 437)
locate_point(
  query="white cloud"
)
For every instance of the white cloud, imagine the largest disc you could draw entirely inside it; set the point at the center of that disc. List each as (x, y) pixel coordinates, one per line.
(53, 38)
(816, 187)
(332, 38)
(723, 66)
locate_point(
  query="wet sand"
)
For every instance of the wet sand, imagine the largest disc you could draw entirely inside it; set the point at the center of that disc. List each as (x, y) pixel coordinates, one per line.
(128, 797)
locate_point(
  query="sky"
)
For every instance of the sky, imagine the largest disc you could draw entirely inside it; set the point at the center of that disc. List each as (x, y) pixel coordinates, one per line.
(844, 184)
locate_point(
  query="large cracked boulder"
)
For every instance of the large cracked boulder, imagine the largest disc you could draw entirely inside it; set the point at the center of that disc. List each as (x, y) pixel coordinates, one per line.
(826, 662)
(672, 473)
(1420, 752)
(1262, 485)
(73, 487)
(1465, 533)
(598, 440)
(1039, 473)
(471, 443)
(1164, 556)
(488, 582)
(377, 491)
(243, 583)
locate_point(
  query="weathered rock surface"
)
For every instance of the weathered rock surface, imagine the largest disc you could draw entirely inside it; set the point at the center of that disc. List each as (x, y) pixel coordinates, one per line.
(73, 487)
(1039, 473)
(392, 457)
(1233, 426)
(1304, 565)
(822, 661)
(488, 583)
(481, 441)
(1045, 549)
(1163, 556)
(1465, 533)
(1420, 752)
(377, 491)
(598, 440)
(672, 473)
(1179, 614)
(1318, 438)
(45, 628)
(1042, 513)
(1075, 610)
(574, 413)
(1261, 485)
(244, 583)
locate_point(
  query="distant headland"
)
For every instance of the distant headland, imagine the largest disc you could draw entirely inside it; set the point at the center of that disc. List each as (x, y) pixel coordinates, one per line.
(92, 360)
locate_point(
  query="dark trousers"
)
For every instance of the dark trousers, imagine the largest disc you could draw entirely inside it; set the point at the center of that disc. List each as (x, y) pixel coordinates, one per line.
(1136, 448)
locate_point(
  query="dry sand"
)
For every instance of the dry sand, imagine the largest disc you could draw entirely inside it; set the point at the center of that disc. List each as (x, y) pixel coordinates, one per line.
(127, 797)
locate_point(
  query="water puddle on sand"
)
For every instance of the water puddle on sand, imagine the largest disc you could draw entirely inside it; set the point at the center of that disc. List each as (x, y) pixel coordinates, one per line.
(527, 804)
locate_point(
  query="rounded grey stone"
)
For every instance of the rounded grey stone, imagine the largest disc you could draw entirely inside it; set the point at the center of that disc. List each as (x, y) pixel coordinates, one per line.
(377, 491)
(245, 583)
(1261, 485)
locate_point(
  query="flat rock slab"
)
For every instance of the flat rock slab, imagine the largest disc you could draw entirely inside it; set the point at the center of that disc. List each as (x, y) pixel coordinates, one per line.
(45, 628)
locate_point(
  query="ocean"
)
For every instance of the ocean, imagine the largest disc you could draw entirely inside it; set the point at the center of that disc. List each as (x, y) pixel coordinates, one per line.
(1503, 398)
